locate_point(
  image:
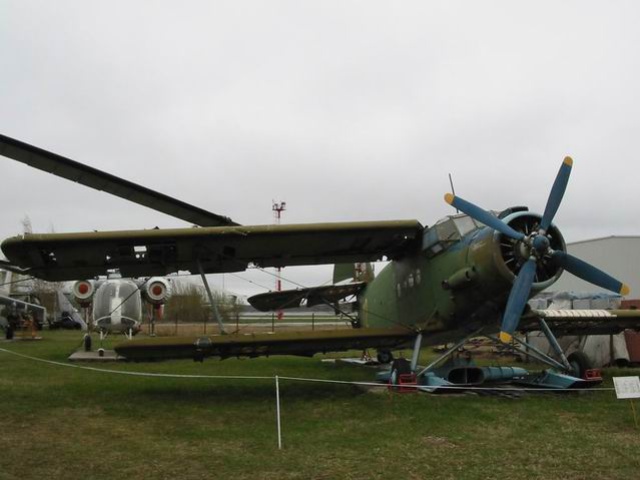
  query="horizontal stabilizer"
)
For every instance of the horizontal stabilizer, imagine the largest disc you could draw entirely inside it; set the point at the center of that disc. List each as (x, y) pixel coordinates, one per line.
(13, 268)
(329, 294)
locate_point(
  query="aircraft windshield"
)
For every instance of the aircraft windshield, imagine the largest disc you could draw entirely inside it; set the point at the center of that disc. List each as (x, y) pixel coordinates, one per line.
(447, 231)
(117, 299)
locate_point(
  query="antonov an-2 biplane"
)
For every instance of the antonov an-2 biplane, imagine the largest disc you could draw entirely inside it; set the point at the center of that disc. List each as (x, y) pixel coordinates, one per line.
(469, 274)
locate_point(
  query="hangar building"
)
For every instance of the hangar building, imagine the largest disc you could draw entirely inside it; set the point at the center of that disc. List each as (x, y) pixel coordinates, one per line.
(619, 256)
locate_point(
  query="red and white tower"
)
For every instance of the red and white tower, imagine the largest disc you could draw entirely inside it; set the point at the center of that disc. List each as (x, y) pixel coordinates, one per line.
(278, 208)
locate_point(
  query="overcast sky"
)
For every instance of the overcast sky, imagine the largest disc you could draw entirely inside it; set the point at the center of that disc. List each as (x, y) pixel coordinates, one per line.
(345, 110)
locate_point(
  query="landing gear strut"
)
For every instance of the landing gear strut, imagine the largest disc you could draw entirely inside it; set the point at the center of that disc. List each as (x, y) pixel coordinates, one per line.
(448, 371)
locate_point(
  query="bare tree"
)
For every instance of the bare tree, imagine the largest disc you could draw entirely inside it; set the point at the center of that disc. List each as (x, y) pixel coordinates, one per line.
(188, 303)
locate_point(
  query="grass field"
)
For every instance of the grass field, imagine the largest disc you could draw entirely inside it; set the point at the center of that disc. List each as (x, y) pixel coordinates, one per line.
(60, 423)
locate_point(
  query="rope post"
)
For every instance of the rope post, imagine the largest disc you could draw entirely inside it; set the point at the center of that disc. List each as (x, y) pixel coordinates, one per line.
(278, 413)
(635, 416)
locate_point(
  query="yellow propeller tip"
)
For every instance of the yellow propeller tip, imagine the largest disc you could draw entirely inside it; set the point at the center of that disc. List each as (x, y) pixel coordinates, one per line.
(505, 337)
(449, 197)
(568, 161)
(625, 290)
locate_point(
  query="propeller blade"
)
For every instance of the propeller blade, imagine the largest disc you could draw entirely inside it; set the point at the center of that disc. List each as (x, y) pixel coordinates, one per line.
(517, 300)
(557, 192)
(589, 273)
(92, 177)
(482, 216)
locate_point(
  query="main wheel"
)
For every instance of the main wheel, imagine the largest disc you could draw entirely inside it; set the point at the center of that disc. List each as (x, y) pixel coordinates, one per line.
(384, 356)
(580, 363)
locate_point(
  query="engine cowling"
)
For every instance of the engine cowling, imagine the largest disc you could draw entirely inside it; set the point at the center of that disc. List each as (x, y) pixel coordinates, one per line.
(83, 291)
(512, 254)
(156, 291)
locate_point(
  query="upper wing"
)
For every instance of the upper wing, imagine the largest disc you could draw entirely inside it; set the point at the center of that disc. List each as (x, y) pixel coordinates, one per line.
(254, 345)
(582, 322)
(94, 178)
(138, 253)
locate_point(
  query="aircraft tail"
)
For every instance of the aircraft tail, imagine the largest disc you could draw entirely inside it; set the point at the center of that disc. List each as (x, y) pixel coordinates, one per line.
(357, 272)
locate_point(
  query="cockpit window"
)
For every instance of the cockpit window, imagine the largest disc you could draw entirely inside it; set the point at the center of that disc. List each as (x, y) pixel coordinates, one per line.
(117, 298)
(465, 224)
(446, 232)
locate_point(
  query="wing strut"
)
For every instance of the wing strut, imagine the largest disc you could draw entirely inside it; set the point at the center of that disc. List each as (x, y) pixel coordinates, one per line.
(554, 343)
(214, 307)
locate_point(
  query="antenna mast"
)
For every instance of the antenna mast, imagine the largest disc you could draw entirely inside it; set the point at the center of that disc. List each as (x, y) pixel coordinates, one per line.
(278, 208)
(453, 190)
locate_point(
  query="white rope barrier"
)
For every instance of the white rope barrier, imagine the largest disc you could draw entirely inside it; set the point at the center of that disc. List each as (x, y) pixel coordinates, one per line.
(135, 374)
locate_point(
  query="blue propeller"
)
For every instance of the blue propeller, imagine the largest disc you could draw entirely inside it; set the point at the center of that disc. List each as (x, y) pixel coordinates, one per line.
(515, 306)
(556, 194)
(537, 245)
(483, 216)
(589, 273)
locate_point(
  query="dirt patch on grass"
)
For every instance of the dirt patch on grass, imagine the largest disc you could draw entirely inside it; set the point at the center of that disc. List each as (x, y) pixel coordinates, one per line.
(439, 442)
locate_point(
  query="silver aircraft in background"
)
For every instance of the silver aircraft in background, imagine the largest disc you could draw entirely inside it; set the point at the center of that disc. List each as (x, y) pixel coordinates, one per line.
(115, 304)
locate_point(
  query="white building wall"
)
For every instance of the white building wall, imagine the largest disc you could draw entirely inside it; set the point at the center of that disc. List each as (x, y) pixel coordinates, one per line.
(618, 256)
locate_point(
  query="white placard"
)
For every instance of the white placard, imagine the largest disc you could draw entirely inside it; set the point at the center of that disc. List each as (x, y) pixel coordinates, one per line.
(627, 387)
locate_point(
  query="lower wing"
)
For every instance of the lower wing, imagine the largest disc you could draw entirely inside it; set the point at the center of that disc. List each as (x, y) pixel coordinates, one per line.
(265, 344)
(582, 322)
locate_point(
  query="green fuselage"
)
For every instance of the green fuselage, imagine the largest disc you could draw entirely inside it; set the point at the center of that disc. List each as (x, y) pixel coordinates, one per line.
(458, 289)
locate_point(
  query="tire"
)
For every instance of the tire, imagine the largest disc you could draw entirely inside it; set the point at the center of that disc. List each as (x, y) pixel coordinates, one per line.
(87, 343)
(384, 356)
(580, 363)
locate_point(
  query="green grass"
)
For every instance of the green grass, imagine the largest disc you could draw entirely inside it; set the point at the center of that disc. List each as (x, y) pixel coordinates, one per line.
(70, 423)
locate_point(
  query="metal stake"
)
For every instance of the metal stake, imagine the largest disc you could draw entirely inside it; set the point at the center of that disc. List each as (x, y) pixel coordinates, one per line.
(278, 413)
(633, 409)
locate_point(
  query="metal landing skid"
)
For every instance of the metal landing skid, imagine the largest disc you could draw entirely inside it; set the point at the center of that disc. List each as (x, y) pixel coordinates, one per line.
(448, 374)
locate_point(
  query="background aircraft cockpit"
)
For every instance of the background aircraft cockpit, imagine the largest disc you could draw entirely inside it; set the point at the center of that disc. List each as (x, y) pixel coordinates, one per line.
(116, 303)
